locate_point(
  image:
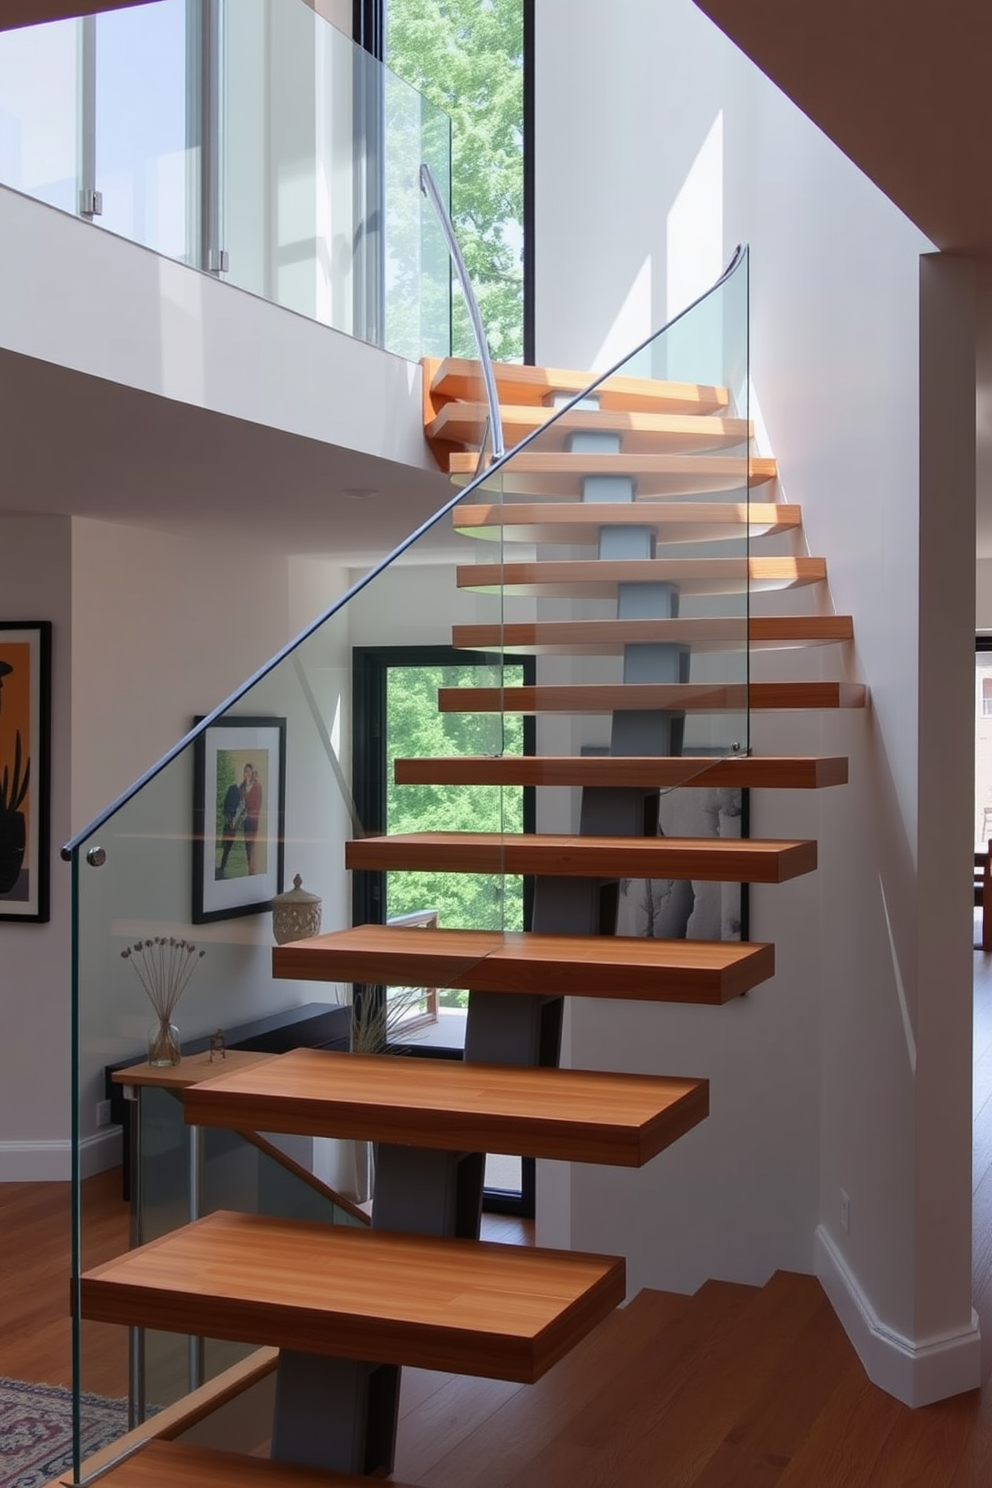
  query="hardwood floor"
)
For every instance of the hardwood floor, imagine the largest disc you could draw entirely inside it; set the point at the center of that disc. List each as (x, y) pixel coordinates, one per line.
(732, 1388)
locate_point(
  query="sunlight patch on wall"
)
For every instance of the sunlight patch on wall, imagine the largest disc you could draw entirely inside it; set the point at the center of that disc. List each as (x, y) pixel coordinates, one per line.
(631, 324)
(694, 229)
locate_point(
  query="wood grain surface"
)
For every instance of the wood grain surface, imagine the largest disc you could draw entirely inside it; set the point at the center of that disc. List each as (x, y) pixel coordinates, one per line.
(534, 471)
(465, 422)
(179, 1465)
(696, 971)
(610, 637)
(461, 377)
(579, 521)
(713, 859)
(502, 1311)
(698, 697)
(596, 578)
(768, 772)
(572, 1115)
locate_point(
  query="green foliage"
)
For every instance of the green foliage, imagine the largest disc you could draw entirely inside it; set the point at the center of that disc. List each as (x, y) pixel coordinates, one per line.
(416, 728)
(466, 57)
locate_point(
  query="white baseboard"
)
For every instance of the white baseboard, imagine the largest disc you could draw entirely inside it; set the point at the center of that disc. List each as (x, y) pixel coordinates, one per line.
(51, 1162)
(915, 1371)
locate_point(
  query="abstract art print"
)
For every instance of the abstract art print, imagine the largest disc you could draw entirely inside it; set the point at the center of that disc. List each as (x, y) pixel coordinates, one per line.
(25, 713)
(239, 804)
(683, 909)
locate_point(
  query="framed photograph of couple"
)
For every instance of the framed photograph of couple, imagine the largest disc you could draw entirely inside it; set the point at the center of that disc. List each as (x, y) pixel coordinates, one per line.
(25, 720)
(239, 809)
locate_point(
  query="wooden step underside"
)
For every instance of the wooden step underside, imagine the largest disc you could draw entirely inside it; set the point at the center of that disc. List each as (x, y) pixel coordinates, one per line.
(560, 473)
(578, 522)
(694, 971)
(650, 771)
(572, 1115)
(711, 859)
(599, 578)
(610, 637)
(642, 433)
(458, 377)
(501, 1311)
(695, 697)
(173, 1464)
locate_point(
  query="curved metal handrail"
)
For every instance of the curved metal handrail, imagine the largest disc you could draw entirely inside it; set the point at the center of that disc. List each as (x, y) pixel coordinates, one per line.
(408, 542)
(429, 188)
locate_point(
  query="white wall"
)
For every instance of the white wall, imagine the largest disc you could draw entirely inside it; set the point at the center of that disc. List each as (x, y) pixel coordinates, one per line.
(814, 1085)
(129, 316)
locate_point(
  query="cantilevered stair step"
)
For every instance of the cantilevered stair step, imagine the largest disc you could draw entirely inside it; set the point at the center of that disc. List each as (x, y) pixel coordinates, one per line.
(713, 859)
(175, 1464)
(559, 473)
(590, 578)
(609, 637)
(695, 697)
(694, 971)
(500, 1311)
(459, 377)
(579, 521)
(641, 433)
(572, 1115)
(810, 772)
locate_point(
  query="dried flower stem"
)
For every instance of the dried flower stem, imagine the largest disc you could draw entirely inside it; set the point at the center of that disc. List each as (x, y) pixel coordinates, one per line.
(163, 966)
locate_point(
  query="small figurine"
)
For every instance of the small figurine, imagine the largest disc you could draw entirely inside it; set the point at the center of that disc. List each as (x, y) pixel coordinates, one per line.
(218, 1045)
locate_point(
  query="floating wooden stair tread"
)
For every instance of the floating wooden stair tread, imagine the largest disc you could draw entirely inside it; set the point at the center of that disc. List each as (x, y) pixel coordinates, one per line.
(173, 1464)
(697, 971)
(713, 859)
(696, 697)
(591, 578)
(535, 472)
(573, 1115)
(504, 1312)
(773, 772)
(609, 637)
(458, 377)
(580, 521)
(669, 433)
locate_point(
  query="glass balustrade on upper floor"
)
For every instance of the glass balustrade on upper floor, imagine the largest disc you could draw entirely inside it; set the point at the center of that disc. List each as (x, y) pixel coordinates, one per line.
(250, 139)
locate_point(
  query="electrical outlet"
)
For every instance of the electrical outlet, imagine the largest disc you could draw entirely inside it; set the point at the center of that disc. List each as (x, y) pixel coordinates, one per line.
(103, 1113)
(845, 1211)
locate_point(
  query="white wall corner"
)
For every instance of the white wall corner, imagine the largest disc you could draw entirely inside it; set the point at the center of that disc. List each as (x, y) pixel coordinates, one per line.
(51, 1162)
(916, 1371)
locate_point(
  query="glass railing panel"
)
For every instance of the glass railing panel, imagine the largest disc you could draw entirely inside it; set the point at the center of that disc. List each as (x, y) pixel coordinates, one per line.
(146, 165)
(417, 301)
(321, 208)
(40, 111)
(248, 138)
(180, 1173)
(614, 550)
(179, 879)
(627, 570)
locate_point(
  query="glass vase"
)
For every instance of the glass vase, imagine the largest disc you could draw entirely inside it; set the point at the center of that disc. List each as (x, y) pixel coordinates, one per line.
(164, 1047)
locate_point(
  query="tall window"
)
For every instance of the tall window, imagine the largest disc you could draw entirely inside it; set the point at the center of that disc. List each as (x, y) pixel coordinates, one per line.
(467, 57)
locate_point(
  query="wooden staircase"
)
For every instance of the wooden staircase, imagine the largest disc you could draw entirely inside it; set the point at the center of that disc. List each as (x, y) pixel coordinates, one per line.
(345, 1307)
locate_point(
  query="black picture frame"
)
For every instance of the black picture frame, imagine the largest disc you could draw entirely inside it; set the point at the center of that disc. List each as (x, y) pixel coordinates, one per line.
(25, 769)
(238, 849)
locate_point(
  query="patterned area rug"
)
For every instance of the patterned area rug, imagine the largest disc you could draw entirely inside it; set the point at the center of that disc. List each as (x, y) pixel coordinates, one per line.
(36, 1431)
